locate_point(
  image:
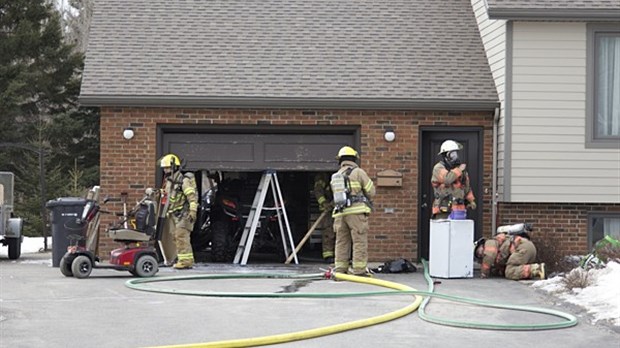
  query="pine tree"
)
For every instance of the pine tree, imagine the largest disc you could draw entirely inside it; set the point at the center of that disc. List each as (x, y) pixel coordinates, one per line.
(39, 84)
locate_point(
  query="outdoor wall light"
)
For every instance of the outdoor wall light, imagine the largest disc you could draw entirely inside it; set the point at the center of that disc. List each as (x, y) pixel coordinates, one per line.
(128, 133)
(389, 135)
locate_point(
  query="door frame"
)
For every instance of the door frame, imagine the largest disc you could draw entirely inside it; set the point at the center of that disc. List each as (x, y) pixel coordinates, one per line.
(427, 133)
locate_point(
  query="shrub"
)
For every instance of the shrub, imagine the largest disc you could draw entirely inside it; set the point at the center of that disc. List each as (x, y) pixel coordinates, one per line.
(549, 252)
(577, 278)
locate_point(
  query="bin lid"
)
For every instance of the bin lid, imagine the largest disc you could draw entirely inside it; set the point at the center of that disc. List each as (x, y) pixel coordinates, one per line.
(65, 201)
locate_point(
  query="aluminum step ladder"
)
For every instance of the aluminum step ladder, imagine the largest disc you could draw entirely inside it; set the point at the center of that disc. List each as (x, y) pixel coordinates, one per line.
(268, 180)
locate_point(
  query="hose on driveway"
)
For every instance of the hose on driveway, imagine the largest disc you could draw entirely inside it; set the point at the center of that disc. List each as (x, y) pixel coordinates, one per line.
(421, 301)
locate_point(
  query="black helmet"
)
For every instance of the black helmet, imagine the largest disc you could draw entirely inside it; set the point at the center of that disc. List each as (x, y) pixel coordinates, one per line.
(480, 242)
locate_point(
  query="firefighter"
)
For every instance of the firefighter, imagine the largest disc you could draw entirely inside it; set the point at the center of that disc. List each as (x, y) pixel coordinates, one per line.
(180, 190)
(511, 256)
(352, 206)
(323, 195)
(492, 255)
(450, 181)
(521, 263)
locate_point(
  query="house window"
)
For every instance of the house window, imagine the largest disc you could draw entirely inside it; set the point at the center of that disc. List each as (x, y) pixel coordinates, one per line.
(601, 224)
(603, 86)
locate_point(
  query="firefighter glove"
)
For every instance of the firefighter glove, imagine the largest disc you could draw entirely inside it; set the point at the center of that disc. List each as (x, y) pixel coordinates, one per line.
(192, 215)
(325, 206)
(472, 205)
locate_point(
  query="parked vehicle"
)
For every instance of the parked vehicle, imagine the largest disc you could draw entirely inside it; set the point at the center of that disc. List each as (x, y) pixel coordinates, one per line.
(10, 226)
(222, 219)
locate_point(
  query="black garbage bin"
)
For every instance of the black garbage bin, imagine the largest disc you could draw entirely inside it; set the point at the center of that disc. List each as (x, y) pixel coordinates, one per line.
(64, 213)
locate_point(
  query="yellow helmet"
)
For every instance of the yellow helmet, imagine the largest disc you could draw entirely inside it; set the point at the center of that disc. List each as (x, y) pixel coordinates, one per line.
(169, 160)
(347, 151)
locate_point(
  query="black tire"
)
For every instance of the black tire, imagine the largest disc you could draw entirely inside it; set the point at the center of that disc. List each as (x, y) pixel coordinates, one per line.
(65, 266)
(220, 247)
(15, 247)
(81, 266)
(146, 266)
(200, 238)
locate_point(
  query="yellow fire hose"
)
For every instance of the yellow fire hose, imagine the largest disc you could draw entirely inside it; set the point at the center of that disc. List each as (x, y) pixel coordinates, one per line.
(312, 333)
(396, 289)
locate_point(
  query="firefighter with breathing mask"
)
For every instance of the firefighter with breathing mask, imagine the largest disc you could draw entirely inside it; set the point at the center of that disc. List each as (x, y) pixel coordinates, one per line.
(450, 181)
(180, 190)
(510, 255)
(492, 254)
(352, 190)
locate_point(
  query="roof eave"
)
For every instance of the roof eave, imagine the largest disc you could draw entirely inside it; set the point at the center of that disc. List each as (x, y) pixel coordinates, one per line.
(290, 103)
(553, 14)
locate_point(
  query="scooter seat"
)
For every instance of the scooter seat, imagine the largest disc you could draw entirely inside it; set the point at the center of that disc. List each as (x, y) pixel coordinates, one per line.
(125, 235)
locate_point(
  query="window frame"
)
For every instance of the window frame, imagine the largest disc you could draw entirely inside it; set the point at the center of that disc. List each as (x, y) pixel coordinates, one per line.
(591, 217)
(592, 141)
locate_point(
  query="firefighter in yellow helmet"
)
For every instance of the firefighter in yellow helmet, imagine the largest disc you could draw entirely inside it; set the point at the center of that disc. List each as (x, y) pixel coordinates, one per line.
(352, 190)
(323, 195)
(451, 184)
(180, 190)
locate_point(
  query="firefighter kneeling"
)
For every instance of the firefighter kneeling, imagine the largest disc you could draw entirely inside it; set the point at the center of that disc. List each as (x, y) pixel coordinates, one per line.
(512, 256)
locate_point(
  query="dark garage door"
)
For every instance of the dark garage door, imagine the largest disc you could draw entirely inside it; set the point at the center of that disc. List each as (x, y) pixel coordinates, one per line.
(256, 151)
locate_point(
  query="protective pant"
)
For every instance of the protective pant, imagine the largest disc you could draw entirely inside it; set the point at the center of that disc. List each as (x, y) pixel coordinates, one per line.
(351, 233)
(182, 230)
(518, 272)
(328, 236)
(520, 264)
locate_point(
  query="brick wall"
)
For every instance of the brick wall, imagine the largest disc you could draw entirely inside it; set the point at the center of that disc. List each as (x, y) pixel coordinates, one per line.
(566, 223)
(130, 166)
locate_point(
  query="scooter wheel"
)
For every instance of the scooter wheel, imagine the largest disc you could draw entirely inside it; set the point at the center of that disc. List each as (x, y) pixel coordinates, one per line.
(81, 267)
(146, 266)
(65, 267)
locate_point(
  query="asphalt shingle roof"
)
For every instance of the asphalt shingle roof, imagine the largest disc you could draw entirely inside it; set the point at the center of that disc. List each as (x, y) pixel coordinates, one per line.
(193, 51)
(555, 9)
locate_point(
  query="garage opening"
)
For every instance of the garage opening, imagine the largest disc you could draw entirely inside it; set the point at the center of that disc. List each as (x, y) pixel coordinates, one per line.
(228, 162)
(226, 198)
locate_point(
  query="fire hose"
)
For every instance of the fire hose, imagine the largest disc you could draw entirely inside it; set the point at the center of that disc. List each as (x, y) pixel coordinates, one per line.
(422, 299)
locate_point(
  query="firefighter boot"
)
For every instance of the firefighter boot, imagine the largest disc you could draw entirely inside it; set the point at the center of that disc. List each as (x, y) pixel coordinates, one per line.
(541, 271)
(362, 272)
(183, 264)
(538, 270)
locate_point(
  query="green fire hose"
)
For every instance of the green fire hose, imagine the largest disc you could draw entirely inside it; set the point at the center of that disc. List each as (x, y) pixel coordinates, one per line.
(421, 300)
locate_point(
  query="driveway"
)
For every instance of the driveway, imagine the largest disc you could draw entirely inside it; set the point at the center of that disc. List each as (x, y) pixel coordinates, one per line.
(40, 307)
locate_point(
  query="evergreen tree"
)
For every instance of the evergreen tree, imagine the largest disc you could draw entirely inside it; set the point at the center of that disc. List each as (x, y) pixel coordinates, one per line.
(39, 84)
(36, 67)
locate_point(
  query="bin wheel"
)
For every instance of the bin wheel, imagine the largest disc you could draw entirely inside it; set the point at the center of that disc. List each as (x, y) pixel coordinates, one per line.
(146, 266)
(65, 267)
(81, 267)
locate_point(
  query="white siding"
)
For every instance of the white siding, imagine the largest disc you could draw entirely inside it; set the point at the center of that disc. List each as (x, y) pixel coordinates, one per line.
(493, 34)
(549, 161)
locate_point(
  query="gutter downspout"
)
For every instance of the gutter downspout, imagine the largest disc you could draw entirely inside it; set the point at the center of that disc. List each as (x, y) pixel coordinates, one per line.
(494, 176)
